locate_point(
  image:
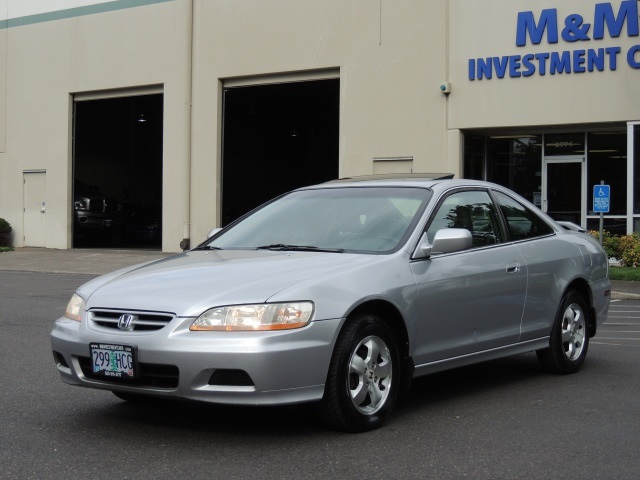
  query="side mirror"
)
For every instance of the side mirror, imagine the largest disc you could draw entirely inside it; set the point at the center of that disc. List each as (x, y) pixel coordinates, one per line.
(213, 231)
(446, 240)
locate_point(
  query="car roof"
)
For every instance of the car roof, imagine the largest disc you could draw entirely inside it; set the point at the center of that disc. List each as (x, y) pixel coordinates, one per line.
(396, 176)
(422, 180)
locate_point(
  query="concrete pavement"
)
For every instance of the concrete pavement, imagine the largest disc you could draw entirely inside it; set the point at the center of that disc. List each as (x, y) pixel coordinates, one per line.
(101, 261)
(89, 260)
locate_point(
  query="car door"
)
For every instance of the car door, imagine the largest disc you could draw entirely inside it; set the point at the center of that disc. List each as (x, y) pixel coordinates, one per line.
(472, 300)
(551, 263)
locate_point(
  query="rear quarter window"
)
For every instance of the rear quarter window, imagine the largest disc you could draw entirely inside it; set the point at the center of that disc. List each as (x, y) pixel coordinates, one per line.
(522, 222)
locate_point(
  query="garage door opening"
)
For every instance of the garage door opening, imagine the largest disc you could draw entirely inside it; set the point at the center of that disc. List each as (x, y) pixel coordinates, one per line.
(117, 173)
(277, 138)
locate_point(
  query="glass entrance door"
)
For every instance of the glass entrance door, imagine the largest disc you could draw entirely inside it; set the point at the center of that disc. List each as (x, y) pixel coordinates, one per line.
(563, 189)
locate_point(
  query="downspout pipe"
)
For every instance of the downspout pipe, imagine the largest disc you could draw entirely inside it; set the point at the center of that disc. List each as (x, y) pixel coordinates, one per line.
(185, 244)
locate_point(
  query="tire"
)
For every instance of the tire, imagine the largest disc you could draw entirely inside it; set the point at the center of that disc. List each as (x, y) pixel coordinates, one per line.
(364, 376)
(569, 340)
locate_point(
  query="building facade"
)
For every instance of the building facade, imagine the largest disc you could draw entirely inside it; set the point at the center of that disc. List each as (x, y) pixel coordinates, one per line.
(145, 123)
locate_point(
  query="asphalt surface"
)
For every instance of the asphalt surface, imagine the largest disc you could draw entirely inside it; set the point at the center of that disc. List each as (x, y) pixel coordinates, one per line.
(499, 420)
(101, 261)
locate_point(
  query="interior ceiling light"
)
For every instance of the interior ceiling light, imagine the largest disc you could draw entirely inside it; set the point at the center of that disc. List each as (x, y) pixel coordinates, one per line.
(506, 137)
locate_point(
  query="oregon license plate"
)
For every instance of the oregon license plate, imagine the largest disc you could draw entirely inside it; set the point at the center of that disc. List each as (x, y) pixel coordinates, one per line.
(109, 360)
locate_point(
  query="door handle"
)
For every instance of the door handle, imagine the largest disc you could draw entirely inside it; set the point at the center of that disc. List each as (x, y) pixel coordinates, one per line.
(513, 267)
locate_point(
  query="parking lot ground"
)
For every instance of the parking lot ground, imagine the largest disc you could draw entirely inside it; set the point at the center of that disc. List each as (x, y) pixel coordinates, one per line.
(504, 419)
(622, 327)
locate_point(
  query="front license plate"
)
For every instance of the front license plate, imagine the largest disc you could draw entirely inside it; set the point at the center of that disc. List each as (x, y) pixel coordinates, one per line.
(109, 360)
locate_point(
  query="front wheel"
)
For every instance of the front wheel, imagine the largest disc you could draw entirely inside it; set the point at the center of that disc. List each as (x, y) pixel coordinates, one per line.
(569, 337)
(364, 376)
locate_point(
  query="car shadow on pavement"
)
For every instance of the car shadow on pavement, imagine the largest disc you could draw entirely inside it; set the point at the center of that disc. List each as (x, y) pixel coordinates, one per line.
(488, 380)
(428, 395)
(204, 417)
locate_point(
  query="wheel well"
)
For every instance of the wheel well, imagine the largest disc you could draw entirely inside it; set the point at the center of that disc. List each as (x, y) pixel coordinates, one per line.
(581, 286)
(389, 314)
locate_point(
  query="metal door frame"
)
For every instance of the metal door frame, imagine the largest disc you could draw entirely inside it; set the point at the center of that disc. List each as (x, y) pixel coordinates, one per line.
(631, 154)
(583, 182)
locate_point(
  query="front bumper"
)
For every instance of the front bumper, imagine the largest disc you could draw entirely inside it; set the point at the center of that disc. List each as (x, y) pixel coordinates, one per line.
(274, 368)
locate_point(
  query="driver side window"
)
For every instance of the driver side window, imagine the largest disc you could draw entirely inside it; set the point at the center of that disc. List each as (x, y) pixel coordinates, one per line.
(472, 210)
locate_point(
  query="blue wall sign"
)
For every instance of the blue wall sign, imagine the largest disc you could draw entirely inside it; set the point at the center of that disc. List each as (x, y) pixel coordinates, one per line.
(574, 30)
(601, 198)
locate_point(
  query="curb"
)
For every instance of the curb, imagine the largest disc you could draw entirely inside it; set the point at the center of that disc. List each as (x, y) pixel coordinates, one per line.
(624, 296)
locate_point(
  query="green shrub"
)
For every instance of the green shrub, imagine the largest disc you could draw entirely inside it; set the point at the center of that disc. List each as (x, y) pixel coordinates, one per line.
(610, 243)
(630, 250)
(625, 248)
(5, 231)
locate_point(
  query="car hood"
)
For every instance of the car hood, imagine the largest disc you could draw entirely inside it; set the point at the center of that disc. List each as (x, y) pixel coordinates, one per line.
(190, 283)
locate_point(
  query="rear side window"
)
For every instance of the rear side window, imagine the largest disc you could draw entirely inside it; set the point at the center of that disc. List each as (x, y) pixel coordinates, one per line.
(473, 210)
(522, 222)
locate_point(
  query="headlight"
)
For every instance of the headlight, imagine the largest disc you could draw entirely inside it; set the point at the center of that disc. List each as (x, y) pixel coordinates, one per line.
(265, 316)
(75, 308)
(80, 204)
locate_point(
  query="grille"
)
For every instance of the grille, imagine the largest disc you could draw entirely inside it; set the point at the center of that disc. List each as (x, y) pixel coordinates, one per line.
(150, 375)
(142, 321)
(231, 378)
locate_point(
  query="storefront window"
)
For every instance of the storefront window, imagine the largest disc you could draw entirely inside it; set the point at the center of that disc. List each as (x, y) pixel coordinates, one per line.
(616, 226)
(563, 144)
(607, 161)
(473, 156)
(515, 161)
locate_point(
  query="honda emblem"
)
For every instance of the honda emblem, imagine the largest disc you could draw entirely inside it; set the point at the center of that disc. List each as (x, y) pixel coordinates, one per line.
(125, 322)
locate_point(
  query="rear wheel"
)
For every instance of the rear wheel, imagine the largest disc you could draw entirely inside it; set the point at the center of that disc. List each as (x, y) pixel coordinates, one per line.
(569, 340)
(364, 376)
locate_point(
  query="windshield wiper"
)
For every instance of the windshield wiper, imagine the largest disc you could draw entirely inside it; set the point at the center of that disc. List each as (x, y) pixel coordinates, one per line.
(207, 247)
(299, 248)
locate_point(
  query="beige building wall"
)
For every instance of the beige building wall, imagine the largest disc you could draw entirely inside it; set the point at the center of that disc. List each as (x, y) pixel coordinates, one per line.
(382, 52)
(3, 91)
(487, 28)
(390, 57)
(96, 55)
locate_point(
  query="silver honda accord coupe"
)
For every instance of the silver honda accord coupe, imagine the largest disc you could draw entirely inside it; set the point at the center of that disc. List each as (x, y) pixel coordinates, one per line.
(339, 294)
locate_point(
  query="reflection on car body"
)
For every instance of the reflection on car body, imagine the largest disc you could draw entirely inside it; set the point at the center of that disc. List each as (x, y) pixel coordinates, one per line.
(339, 294)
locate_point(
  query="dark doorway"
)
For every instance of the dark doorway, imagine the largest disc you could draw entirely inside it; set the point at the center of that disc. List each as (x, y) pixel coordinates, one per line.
(277, 138)
(117, 172)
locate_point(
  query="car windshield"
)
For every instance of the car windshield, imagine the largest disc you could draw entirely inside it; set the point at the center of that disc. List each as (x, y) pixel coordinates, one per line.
(362, 219)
